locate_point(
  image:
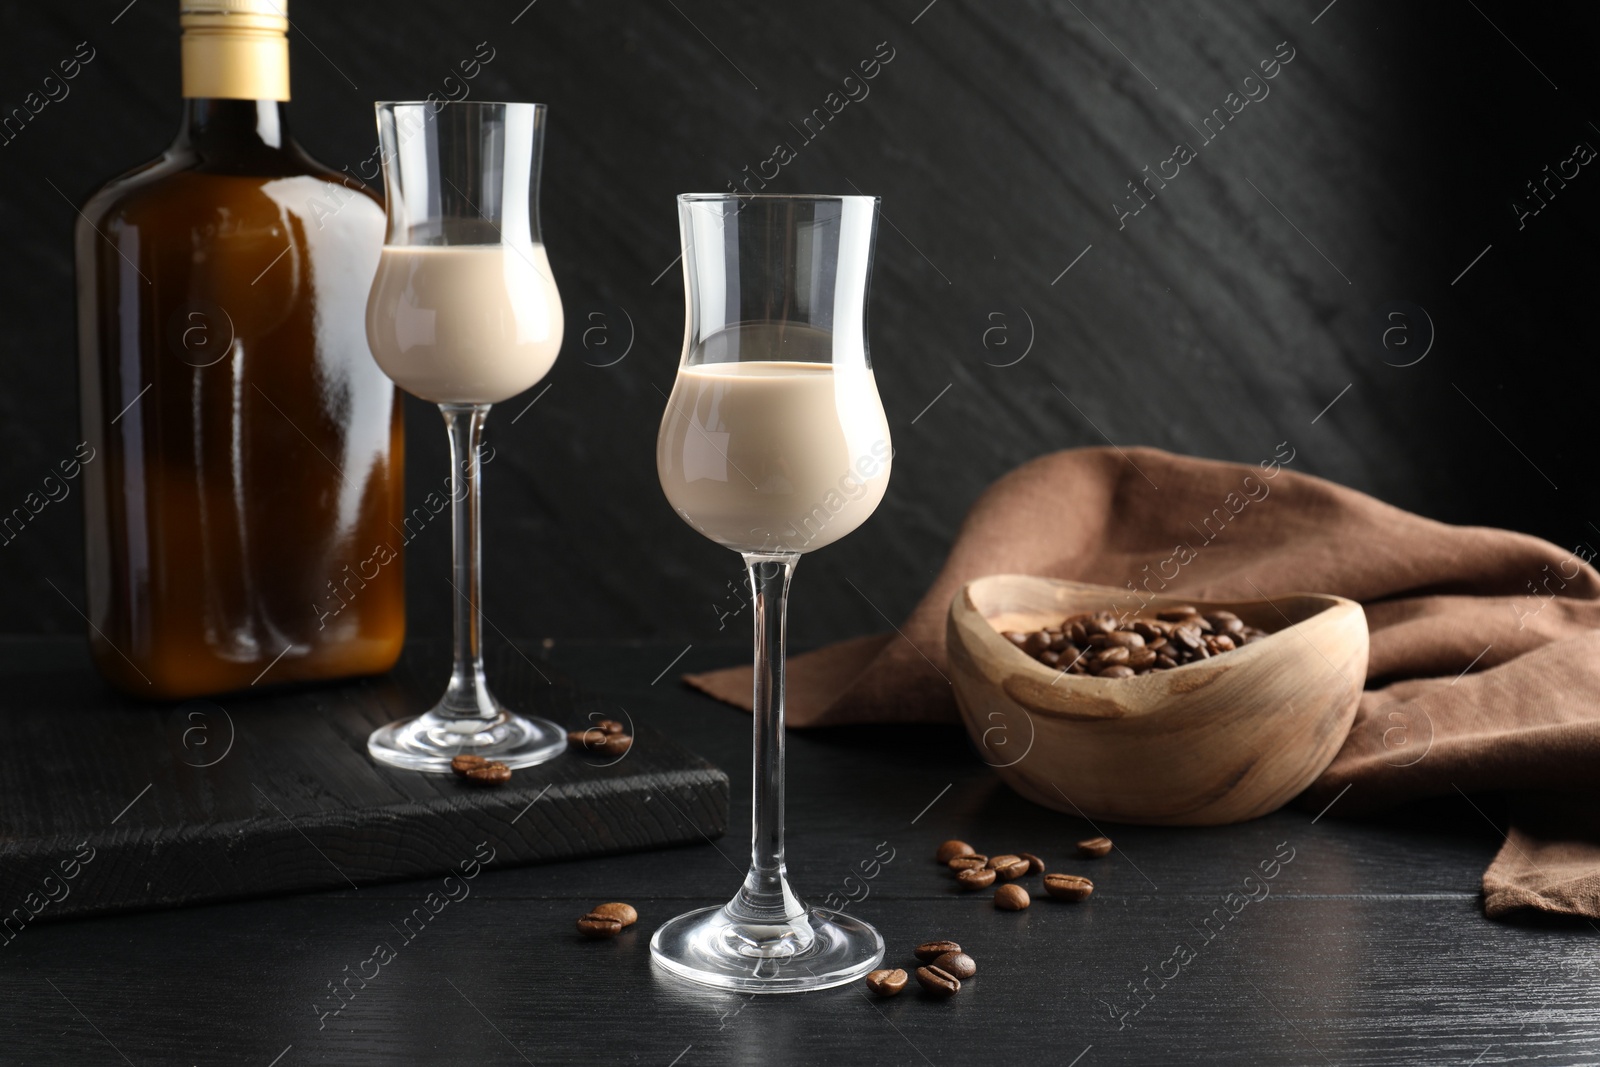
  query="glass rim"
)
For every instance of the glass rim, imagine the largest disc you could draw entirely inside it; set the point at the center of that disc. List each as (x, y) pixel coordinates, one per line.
(712, 198)
(378, 104)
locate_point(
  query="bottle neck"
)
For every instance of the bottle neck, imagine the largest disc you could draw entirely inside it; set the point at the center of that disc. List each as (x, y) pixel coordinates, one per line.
(235, 81)
(228, 127)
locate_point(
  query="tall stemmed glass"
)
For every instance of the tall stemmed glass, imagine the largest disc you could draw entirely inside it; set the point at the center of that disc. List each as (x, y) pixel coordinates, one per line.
(774, 443)
(464, 313)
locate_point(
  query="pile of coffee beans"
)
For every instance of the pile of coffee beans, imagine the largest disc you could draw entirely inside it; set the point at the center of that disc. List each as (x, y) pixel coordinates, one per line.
(944, 968)
(1101, 644)
(608, 920)
(973, 870)
(608, 737)
(480, 771)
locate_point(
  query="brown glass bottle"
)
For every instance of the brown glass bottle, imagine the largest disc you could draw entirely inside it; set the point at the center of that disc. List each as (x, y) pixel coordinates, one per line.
(243, 502)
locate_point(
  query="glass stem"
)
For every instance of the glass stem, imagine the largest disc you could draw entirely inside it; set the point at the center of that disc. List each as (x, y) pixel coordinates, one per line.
(766, 897)
(468, 695)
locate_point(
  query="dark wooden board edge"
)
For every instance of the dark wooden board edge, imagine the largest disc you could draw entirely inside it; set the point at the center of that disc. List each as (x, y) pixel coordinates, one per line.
(134, 869)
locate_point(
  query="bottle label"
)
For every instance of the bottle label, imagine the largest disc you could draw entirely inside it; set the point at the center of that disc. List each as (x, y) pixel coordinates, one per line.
(235, 57)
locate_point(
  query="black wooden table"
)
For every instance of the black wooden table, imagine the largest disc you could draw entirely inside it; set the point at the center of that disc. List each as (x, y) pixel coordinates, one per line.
(1367, 947)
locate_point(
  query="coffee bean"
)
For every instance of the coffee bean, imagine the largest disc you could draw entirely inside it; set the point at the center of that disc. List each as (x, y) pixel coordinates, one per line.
(623, 913)
(611, 726)
(1050, 659)
(462, 764)
(1015, 638)
(967, 863)
(1166, 663)
(1116, 670)
(1011, 897)
(951, 849)
(491, 773)
(996, 862)
(959, 964)
(938, 982)
(1126, 638)
(1100, 623)
(1014, 867)
(976, 878)
(1147, 631)
(1068, 886)
(1188, 636)
(1111, 656)
(886, 983)
(1035, 864)
(929, 951)
(1036, 643)
(1141, 657)
(1220, 643)
(1176, 614)
(1094, 847)
(591, 739)
(592, 925)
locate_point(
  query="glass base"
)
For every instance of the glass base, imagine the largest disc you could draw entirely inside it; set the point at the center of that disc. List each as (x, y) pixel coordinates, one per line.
(819, 950)
(430, 741)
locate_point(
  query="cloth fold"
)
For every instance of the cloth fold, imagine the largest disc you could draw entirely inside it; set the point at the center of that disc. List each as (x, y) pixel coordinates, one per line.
(1485, 661)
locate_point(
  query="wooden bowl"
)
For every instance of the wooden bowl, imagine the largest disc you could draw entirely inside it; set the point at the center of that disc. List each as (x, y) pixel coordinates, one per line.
(1216, 741)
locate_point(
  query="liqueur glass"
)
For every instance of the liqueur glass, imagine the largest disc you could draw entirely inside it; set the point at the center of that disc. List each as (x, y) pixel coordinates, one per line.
(773, 444)
(464, 313)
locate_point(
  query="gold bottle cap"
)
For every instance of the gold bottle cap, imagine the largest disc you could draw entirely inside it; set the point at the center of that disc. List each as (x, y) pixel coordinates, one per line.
(235, 49)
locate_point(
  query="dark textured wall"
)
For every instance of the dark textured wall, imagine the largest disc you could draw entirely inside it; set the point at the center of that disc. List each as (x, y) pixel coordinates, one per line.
(1219, 320)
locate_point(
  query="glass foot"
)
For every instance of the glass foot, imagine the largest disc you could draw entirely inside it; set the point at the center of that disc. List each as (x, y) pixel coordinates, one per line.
(819, 950)
(430, 741)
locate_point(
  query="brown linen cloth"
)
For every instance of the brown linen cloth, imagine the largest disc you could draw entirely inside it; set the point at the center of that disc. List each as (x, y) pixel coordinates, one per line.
(1485, 664)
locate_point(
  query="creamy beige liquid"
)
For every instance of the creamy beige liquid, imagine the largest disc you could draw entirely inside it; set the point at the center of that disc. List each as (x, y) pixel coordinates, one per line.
(779, 456)
(465, 324)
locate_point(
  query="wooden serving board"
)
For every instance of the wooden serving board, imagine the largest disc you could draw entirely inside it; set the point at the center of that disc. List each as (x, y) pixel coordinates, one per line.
(108, 804)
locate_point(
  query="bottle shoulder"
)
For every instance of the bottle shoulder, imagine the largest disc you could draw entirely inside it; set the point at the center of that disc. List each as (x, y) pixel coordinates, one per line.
(179, 183)
(167, 197)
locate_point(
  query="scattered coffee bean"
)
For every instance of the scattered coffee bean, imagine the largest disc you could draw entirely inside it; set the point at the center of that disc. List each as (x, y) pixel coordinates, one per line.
(886, 983)
(623, 913)
(951, 849)
(462, 764)
(1094, 847)
(938, 982)
(976, 878)
(929, 951)
(958, 964)
(1123, 648)
(491, 772)
(1068, 886)
(592, 925)
(1035, 864)
(1011, 897)
(601, 740)
(966, 863)
(610, 726)
(1014, 867)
